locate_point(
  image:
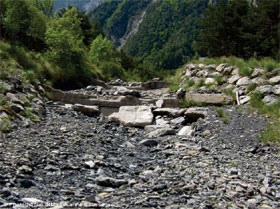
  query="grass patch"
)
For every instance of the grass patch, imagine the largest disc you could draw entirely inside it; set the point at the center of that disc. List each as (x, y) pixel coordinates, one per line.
(190, 83)
(190, 103)
(5, 124)
(219, 79)
(220, 112)
(244, 66)
(174, 88)
(230, 92)
(245, 71)
(251, 87)
(199, 84)
(272, 131)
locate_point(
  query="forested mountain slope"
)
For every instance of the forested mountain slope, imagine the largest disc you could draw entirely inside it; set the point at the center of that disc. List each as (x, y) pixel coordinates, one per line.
(79, 4)
(165, 35)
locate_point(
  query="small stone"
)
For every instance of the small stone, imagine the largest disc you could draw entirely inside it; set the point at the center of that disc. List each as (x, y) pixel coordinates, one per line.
(159, 103)
(276, 90)
(209, 81)
(269, 99)
(149, 142)
(161, 132)
(186, 131)
(243, 81)
(233, 79)
(265, 89)
(206, 133)
(32, 200)
(89, 164)
(180, 93)
(221, 67)
(178, 121)
(5, 193)
(233, 171)
(17, 108)
(25, 183)
(110, 182)
(275, 80)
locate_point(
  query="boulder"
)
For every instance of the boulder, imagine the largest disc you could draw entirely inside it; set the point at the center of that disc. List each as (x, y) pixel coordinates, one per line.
(234, 79)
(161, 132)
(17, 108)
(275, 80)
(172, 112)
(266, 89)
(14, 99)
(228, 70)
(257, 72)
(180, 93)
(194, 113)
(87, 109)
(186, 131)
(209, 81)
(178, 121)
(150, 128)
(258, 80)
(276, 89)
(211, 99)
(269, 99)
(243, 81)
(136, 116)
(221, 67)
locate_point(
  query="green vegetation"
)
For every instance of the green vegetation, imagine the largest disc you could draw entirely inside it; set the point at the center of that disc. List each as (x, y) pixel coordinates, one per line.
(190, 103)
(220, 112)
(165, 36)
(5, 124)
(241, 29)
(244, 66)
(272, 131)
(174, 88)
(64, 50)
(251, 87)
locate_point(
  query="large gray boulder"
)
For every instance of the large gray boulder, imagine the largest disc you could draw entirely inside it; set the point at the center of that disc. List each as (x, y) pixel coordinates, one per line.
(88, 110)
(172, 112)
(209, 99)
(194, 113)
(134, 116)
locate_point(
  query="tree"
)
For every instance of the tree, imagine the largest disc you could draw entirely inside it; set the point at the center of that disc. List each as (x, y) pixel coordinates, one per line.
(64, 38)
(46, 6)
(101, 50)
(23, 23)
(104, 55)
(90, 31)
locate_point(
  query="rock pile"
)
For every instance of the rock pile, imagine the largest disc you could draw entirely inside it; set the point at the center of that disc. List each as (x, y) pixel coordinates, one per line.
(70, 160)
(223, 77)
(21, 103)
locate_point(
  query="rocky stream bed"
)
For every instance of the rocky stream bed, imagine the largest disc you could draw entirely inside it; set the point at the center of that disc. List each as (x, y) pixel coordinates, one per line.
(70, 160)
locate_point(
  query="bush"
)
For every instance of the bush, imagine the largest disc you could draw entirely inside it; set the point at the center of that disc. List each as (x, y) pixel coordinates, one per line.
(220, 112)
(219, 80)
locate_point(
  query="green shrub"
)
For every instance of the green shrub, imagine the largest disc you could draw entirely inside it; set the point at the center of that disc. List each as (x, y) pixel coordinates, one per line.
(174, 88)
(5, 125)
(200, 83)
(219, 79)
(245, 71)
(251, 87)
(190, 83)
(220, 112)
(229, 92)
(190, 103)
